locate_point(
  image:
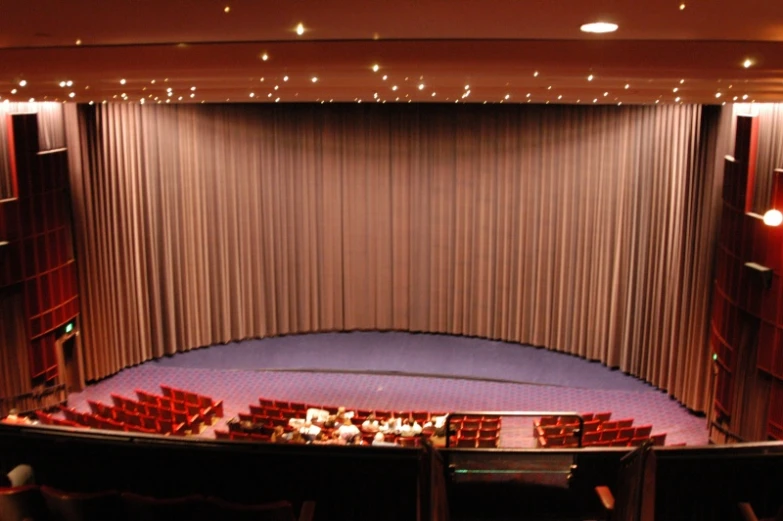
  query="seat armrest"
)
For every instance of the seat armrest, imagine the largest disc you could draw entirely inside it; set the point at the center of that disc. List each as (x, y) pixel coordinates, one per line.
(606, 497)
(746, 511)
(308, 511)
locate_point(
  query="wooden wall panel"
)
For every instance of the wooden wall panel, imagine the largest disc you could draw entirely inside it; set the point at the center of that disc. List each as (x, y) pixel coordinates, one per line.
(747, 315)
(36, 225)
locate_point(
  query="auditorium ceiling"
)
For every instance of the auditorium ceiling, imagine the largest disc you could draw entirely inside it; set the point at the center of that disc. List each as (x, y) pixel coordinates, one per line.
(463, 51)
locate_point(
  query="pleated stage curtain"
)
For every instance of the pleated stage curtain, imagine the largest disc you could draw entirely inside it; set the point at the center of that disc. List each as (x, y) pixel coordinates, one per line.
(588, 230)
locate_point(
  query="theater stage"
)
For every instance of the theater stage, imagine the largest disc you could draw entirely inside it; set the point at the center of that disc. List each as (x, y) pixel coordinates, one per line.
(405, 371)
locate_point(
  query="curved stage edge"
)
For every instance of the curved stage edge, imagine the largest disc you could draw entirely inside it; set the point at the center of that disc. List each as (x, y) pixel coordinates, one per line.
(407, 371)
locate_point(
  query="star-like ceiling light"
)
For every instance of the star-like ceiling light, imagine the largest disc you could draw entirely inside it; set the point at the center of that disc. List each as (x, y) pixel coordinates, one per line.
(599, 27)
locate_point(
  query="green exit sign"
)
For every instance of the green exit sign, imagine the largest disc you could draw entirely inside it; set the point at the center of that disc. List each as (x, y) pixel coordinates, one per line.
(69, 327)
(715, 356)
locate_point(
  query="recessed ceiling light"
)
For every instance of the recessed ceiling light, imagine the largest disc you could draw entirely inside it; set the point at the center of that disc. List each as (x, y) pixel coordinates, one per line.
(590, 78)
(549, 88)
(277, 87)
(595, 100)
(433, 94)
(72, 94)
(467, 87)
(192, 95)
(745, 96)
(122, 81)
(507, 96)
(599, 27)
(227, 9)
(22, 83)
(264, 56)
(78, 42)
(62, 84)
(560, 97)
(277, 99)
(252, 94)
(376, 67)
(682, 81)
(677, 98)
(747, 63)
(675, 89)
(394, 87)
(384, 77)
(421, 86)
(527, 95)
(285, 78)
(717, 94)
(168, 89)
(13, 91)
(300, 29)
(627, 85)
(682, 6)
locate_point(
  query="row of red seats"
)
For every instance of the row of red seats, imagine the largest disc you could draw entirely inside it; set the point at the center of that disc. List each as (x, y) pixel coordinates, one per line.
(176, 425)
(191, 416)
(189, 397)
(598, 430)
(34, 502)
(47, 419)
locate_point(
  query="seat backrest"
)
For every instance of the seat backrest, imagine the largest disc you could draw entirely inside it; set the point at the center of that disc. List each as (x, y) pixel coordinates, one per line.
(603, 416)
(643, 431)
(143, 508)
(64, 506)
(277, 511)
(21, 503)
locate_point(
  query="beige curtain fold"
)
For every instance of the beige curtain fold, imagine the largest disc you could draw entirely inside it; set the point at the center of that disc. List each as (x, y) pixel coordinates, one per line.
(587, 230)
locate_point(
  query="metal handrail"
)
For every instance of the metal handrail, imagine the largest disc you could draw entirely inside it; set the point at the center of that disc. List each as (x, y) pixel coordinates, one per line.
(577, 415)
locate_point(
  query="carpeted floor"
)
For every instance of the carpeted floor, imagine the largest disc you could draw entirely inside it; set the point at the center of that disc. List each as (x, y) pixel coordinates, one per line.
(402, 371)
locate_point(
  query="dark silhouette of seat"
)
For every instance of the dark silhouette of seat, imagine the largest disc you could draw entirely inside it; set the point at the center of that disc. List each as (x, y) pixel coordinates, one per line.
(68, 506)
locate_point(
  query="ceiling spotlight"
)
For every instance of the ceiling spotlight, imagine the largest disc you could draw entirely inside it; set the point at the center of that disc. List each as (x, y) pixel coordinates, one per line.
(264, 56)
(375, 67)
(314, 79)
(682, 7)
(747, 63)
(168, 89)
(122, 81)
(227, 9)
(72, 94)
(22, 83)
(535, 74)
(675, 89)
(384, 78)
(300, 29)
(62, 84)
(717, 94)
(744, 96)
(277, 99)
(285, 78)
(421, 86)
(467, 87)
(507, 96)
(31, 100)
(433, 94)
(627, 85)
(192, 95)
(193, 88)
(252, 94)
(599, 27)
(682, 81)
(394, 87)
(590, 78)
(595, 100)
(677, 99)
(13, 91)
(78, 42)
(560, 96)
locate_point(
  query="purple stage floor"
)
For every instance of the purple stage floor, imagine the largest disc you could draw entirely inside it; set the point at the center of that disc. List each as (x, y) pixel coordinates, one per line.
(402, 371)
